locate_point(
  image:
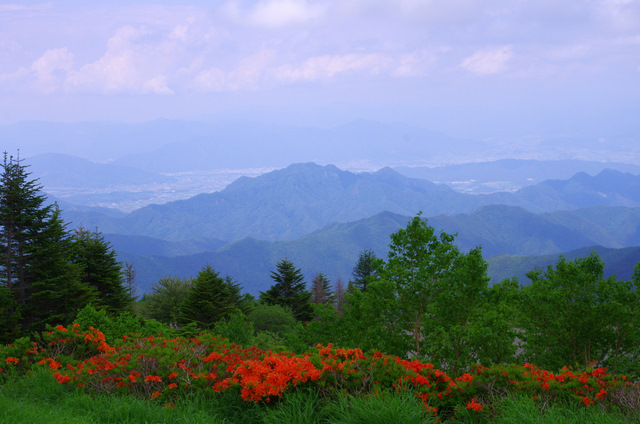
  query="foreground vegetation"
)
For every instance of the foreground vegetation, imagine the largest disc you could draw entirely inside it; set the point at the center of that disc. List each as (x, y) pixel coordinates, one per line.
(434, 342)
(74, 375)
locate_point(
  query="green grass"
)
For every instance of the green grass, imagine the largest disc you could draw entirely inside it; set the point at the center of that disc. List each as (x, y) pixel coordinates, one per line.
(38, 398)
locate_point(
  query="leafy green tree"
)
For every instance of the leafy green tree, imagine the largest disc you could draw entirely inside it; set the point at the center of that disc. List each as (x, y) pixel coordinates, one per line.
(365, 270)
(237, 328)
(272, 318)
(289, 291)
(165, 301)
(573, 315)
(211, 298)
(100, 269)
(450, 328)
(419, 266)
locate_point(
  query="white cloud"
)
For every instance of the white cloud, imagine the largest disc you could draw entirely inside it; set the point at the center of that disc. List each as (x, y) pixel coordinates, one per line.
(487, 62)
(413, 64)
(47, 68)
(249, 74)
(125, 67)
(276, 13)
(327, 66)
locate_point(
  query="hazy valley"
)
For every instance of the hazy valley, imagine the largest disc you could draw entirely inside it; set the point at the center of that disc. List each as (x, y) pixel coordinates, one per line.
(186, 194)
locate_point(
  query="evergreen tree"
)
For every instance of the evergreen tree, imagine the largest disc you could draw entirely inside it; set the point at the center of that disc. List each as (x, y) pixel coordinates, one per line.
(100, 269)
(22, 217)
(365, 269)
(57, 291)
(130, 279)
(321, 290)
(9, 316)
(289, 291)
(339, 295)
(210, 299)
(34, 255)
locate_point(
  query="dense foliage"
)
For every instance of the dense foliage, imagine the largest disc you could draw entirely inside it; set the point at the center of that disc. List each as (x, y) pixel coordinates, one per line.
(47, 274)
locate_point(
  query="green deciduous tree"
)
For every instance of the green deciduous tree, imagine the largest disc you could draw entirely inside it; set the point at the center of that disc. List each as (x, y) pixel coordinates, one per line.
(419, 266)
(573, 315)
(166, 298)
(289, 291)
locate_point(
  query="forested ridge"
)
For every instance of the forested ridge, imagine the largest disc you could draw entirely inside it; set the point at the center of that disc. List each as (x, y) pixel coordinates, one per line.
(426, 301)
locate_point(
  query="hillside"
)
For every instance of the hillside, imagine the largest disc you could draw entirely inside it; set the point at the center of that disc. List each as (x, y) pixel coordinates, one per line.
(294, 201)
(618, 262)
(334, 249)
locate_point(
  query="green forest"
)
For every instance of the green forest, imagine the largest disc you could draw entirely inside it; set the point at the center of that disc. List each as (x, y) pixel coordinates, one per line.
(421, 332)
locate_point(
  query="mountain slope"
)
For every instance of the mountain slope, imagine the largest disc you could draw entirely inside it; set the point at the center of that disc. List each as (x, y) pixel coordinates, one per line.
(291, 202)
(334, 249)
(618, 262)
(301, 198)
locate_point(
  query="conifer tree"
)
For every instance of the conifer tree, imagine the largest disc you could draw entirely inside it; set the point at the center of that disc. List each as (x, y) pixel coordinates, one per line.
(58, 292)
(289, 291)
(321, 292)
(210, 299)
(339, 295)
(364, 270)
(100, 269)
(34, 252)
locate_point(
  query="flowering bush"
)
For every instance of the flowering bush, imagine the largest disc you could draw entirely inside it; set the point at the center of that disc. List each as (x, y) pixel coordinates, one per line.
(159, 368)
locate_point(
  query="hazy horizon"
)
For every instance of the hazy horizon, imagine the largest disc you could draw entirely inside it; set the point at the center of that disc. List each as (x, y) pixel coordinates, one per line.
(472, 69)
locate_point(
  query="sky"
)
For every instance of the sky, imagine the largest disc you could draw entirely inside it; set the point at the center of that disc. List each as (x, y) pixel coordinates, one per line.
(464, 67)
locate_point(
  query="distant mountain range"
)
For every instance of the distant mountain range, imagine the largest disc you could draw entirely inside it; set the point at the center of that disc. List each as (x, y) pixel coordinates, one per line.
(508, 174)
(334, 250)
(292, 202)
(56, 170)
(322, 217)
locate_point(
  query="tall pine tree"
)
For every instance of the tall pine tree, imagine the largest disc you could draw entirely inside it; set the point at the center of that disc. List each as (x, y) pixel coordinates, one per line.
(365, 270)
(211, 298)
(35, 262)
(100, 269)
(289, 291)
(321, 292)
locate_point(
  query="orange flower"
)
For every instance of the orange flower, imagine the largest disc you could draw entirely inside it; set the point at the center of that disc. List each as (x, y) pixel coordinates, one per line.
(153, 378)
(473, 404)
(61, 378)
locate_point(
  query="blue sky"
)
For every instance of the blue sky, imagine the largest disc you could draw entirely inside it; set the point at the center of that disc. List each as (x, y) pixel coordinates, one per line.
(485, 67)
